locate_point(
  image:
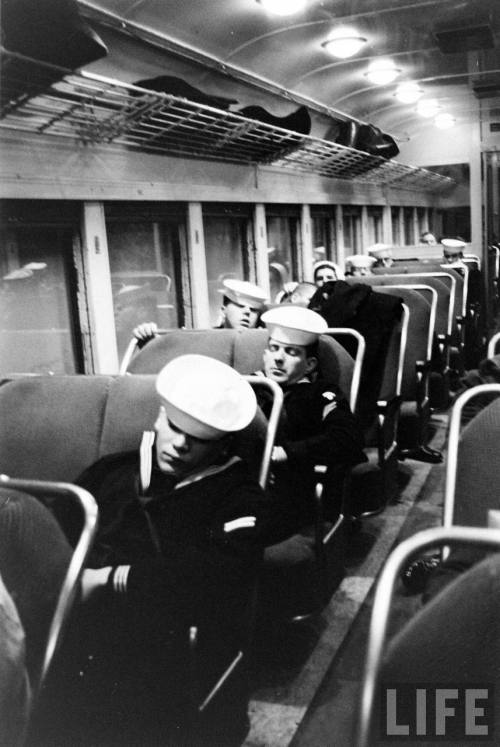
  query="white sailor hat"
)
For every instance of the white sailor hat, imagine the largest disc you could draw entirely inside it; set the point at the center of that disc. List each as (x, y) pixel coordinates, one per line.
(360, 260)
(205, 397)
(243, 293)
(380, 251)
(453, 246)
(321, 263)
(294, 325)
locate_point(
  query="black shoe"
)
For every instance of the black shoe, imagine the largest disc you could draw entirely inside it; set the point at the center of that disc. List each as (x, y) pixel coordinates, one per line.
(416, 575)
(421, 454)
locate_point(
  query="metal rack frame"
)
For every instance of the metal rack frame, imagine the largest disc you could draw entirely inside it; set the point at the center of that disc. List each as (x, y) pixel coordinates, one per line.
(98, 110)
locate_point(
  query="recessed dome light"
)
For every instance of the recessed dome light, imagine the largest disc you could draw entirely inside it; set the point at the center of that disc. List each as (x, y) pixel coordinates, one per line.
(444, 121)
(408, 92)
(344, 42)
(382, 72)
(428, 107)
(283, 7)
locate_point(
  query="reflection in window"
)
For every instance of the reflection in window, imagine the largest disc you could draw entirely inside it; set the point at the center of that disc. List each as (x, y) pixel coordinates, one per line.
(375, 227)
(408, 226)
(351, 217)
(143, 258)
(323, 236)
(396, 226)
(36, 332)
(282, 251)
(225, 244)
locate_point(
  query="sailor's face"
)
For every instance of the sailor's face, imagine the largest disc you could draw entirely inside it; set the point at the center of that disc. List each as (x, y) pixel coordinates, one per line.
(361, 271)
(324, 275)
(240, 316)
(177, 452)
(286, 364)
(450, 258)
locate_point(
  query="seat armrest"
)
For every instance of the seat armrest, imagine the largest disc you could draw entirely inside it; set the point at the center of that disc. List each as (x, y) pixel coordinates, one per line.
(387, 423)
(422, 370)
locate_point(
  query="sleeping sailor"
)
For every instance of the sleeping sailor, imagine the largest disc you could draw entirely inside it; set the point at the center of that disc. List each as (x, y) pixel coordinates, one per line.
(182, 529)
(242, 305)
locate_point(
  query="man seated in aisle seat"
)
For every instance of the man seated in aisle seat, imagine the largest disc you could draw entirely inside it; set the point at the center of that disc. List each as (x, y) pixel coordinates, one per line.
(358, 265)
(317, 426)
(181, 533)
(382, 253)
(242, 305)
(325, 271)
(453, 252)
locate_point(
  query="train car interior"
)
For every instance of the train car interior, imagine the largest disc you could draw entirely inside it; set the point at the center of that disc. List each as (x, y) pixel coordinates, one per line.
(151, 154)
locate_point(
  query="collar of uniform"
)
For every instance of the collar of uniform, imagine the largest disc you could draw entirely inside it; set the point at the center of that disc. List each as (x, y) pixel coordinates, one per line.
(208, 472)
(303, 380)
(146, 462)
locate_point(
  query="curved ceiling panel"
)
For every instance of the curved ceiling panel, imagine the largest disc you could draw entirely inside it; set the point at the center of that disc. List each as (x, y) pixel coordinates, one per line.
(449, 47)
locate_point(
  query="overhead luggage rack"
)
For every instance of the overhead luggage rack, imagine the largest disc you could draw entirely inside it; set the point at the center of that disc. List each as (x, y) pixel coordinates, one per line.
(94, 109)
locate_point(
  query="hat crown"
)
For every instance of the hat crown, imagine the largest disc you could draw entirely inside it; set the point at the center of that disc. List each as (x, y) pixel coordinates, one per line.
(243, 292)
(456, 244)
(294, 325)
(378, 250)
(205, 397)
(360, 260)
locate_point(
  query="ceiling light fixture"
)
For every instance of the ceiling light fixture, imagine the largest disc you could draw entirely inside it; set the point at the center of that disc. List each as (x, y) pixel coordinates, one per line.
(382, 72)
(344, 42)
(428, 107)
(408, 92)
(444, 121)
(283, 7)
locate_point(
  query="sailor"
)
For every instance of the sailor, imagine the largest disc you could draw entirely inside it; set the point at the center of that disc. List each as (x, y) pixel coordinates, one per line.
(325, 271)
(182, 530)
(317, 427)
(382, 253)
(242, 304)
(358, 265)
(453, 252)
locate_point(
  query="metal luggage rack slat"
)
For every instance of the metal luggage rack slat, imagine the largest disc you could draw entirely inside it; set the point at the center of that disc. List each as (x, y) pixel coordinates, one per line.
(94, 109)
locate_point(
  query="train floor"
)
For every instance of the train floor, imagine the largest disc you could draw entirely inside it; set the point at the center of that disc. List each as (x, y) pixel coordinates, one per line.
(306, 686)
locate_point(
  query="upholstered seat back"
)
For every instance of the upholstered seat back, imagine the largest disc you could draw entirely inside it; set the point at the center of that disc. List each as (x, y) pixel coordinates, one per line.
(52, 427)
(241, 349)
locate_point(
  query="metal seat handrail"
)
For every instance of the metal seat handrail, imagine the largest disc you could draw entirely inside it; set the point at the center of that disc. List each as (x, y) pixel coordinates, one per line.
(69, 588)
(492, 345)
(409, 548)
(453, 444)
(358, 360)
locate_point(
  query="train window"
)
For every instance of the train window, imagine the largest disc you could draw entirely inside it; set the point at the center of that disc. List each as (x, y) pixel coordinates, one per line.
(409, 229)
(422, 221)
(283, 240)
(228, 243)
(39, 325)
(351, 216)
(375, 224)
(145, 247)
(396, 225)
(323, 234)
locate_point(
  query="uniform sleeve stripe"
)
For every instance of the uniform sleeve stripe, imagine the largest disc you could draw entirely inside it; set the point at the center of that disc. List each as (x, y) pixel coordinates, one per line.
(241, 523)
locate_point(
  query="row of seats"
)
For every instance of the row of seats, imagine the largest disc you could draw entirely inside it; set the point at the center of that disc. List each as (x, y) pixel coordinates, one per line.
(58, 452)
(452, 642)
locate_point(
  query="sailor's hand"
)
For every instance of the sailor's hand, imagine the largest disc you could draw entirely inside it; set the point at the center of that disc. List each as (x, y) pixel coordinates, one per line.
(145, 331)
(279, 454)
(93, 580)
